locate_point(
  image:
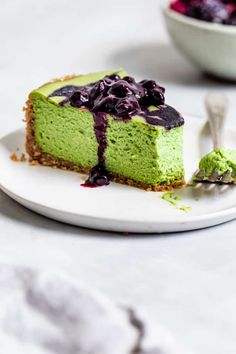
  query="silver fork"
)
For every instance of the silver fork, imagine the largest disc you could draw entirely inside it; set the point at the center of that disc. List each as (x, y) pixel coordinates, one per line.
(216, 106)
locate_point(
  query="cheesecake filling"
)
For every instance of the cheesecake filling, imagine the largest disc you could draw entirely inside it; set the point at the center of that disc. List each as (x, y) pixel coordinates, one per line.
(122, 99)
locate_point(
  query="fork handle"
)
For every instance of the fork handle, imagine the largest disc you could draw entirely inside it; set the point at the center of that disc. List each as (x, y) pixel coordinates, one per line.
(217, 107)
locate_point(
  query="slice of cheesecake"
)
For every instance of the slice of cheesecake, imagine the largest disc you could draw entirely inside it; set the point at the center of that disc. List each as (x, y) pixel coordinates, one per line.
(108, 126)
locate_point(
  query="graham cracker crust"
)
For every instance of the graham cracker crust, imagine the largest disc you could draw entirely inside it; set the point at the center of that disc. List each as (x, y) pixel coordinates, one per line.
(37, 156)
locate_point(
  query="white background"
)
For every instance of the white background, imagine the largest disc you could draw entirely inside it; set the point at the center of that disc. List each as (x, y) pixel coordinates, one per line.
(185, 280)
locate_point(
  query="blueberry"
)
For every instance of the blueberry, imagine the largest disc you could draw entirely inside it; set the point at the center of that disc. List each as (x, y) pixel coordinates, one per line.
(120, 89)
(129, 79)
(105, 104)
(98, 176)
(127, 107)
(113, 77)
(99, 89)
(154, 93)
(157, 95)
(148, 84)
(154, 97)
(208, 10)
(79, 99)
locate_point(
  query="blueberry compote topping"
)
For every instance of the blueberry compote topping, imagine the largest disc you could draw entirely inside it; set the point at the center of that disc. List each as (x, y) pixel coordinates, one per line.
(122, 98)
(218, 11)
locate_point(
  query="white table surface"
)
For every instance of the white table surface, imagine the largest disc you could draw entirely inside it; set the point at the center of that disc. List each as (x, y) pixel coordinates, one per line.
(185, 280)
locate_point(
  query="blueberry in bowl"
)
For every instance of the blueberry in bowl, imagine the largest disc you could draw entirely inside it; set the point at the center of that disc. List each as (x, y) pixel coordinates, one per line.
(216, 11)
(204, 31)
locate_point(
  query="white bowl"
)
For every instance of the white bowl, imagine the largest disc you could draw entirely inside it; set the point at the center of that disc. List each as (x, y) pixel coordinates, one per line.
(209, 46)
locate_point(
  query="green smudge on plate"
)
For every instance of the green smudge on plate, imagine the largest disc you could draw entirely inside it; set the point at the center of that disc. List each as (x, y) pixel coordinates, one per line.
(171, 199)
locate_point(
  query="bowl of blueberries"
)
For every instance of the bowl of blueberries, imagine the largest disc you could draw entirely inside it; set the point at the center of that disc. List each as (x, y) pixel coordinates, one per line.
(205, 32)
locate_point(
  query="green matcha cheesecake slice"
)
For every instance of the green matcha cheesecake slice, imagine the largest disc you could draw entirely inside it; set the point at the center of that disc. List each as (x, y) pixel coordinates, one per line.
(108, 126)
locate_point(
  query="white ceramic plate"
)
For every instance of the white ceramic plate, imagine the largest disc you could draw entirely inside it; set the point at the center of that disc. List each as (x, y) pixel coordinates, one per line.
(58, 194)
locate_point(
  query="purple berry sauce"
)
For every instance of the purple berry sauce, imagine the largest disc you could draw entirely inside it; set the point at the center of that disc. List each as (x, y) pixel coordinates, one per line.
(123, 99)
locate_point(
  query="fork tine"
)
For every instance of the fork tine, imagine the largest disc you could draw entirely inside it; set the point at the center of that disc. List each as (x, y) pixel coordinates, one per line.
(208, 182)
(213, 176)
(227, 177)
(223, 187)
(198, 185)
(199, 175)
(233, 177)
(196, 172)
(208, 187)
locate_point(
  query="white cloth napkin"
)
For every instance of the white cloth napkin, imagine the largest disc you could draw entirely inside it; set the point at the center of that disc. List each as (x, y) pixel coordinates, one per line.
(47, 313)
